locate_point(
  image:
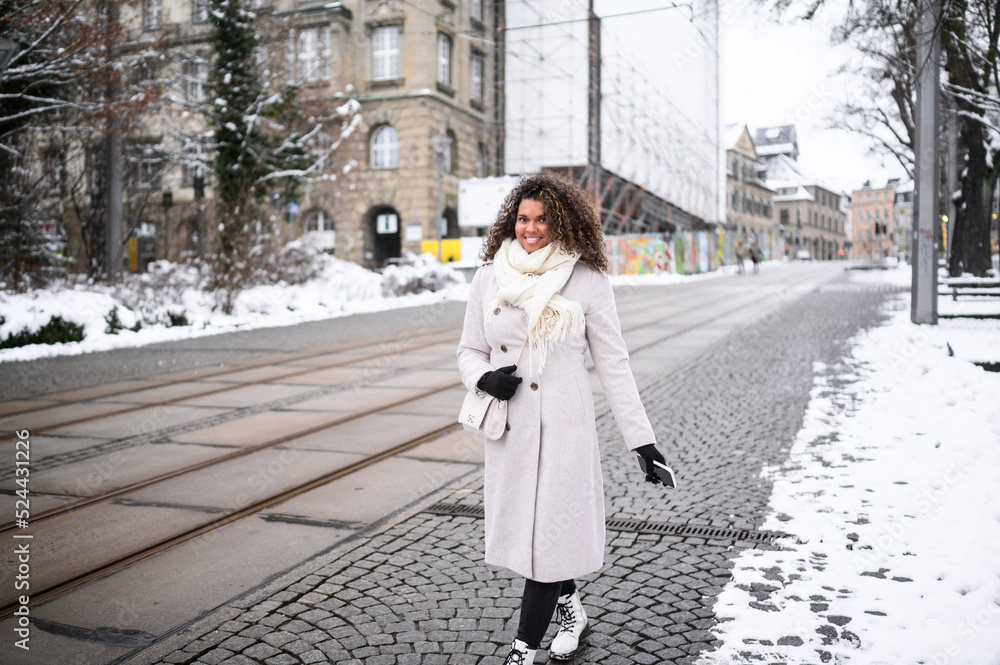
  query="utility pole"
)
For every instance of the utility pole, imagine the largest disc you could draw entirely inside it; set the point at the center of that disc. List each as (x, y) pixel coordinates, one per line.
(923, 293)
(441, 145)
(951, 173)
(594, 108)
(739, 208)
(112, 156)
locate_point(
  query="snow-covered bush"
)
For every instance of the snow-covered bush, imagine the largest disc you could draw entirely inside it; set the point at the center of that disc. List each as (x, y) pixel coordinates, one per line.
(296, 263)
(57, 331)
(423, 274)
(158, 295)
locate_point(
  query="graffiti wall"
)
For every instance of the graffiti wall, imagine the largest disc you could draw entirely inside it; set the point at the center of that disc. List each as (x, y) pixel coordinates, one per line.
(687, 253)
(639, 255)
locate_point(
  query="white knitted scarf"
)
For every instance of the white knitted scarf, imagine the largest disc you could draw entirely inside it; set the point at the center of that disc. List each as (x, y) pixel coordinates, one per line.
(532, 282)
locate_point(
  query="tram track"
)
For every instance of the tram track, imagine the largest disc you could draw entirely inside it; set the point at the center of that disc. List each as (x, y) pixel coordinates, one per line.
(102, 570)
(118, 563)
(216, 391)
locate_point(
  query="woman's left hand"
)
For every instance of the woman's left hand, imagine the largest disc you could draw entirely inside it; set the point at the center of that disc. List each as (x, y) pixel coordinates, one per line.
(650, 454)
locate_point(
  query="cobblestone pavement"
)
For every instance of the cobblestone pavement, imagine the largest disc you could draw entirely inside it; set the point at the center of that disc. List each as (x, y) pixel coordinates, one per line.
(418, 591)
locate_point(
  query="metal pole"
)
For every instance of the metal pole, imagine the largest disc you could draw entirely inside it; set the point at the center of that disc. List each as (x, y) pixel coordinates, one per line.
(951, 175)
(113, 169)
(594, 107)
(739, 209)
(923, 296)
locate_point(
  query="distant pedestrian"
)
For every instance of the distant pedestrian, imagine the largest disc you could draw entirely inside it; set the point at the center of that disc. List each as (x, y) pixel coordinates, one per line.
(741, 256)
(544, 288)
(756, 256)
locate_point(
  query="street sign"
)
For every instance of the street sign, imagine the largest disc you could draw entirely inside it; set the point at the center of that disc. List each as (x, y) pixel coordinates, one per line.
(387, 223)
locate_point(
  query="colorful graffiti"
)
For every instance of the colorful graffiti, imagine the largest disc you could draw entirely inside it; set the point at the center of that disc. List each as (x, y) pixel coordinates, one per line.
(639, 255)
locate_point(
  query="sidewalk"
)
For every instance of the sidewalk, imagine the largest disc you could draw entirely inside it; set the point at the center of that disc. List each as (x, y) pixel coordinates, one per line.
(418, 592)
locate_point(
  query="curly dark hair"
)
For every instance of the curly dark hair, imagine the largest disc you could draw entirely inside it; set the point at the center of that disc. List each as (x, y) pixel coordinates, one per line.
(570, 218)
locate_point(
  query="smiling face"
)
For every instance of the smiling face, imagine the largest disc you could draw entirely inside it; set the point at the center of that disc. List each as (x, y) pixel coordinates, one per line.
(530, 227)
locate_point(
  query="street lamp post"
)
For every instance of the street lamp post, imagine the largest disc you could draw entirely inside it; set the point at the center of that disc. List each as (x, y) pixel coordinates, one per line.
(168, 201)
(440, 144)
(198, 183)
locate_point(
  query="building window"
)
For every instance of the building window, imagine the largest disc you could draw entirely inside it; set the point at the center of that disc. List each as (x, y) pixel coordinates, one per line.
(476, 10)
(319, 225)
(152, 14)
(195, 165)
(444, 59)
(385, 53)
(385, 148)
(195, 73)
(199, 11)
(53, 169)
(145, 165)
(478, 71)
(309, 51)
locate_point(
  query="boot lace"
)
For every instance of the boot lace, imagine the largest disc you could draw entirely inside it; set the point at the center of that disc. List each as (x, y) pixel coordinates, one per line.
(567, 618)
(515, 657)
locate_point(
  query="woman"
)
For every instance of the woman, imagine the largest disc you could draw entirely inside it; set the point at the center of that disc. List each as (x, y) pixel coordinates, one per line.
(543, 289)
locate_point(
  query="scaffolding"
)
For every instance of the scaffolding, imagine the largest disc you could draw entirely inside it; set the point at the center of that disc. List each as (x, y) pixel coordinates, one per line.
(645, 146)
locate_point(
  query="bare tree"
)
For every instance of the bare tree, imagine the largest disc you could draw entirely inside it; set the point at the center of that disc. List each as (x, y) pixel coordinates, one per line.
(883, 32)
(969, 34)
(52, 97)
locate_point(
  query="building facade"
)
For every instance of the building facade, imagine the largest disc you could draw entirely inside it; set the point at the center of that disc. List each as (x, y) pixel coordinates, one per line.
(875, 226)
(423, 73)
(749, 201)
(810, 215)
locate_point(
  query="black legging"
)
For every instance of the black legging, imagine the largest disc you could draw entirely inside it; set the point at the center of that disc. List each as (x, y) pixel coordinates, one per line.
(537, 606)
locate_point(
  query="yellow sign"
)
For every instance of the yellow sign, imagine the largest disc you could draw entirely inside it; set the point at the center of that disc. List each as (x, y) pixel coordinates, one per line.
(451, 248)
(133, 254)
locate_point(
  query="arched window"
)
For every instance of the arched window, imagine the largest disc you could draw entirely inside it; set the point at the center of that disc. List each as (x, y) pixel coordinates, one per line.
(385, 148)
(319, 225)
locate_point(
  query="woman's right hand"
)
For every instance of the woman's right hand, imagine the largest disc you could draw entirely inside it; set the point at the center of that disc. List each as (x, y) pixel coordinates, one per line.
(501, 383)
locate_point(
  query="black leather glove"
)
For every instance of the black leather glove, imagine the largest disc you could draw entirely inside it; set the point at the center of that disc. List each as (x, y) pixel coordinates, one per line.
(500, 382)
(649, 454)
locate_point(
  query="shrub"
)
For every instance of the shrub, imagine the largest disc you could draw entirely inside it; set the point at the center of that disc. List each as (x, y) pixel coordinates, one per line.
(175, 319)
(56, 331)
(425, 275)
(115, 323)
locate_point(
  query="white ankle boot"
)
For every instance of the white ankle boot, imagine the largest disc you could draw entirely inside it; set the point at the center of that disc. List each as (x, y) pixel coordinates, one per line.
(520, 654)
(572, 627)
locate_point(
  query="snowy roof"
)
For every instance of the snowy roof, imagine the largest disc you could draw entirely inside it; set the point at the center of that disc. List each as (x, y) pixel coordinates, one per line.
(784, 172)
(731, 134)
(782, 139)
(776, 149)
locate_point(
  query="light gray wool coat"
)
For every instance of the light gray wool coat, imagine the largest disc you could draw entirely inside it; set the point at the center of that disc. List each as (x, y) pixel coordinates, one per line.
(544, 496)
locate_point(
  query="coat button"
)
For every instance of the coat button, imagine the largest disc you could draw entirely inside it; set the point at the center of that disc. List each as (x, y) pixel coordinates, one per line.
(507, 427)
(534, 386)
(503, 348)
(496, 311)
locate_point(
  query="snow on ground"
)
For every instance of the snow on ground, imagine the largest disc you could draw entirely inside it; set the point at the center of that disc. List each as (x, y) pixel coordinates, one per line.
(890, 494)
(341, 288)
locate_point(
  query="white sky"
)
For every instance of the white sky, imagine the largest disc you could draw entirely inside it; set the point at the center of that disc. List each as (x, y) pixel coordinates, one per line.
(776, 71)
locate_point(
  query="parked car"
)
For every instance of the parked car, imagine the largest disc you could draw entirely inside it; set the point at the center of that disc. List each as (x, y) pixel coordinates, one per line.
(803, 255)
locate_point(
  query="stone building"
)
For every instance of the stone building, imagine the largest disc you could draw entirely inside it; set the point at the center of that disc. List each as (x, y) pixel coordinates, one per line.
(875, 226)
(809, 213)
(423, 72)
(749, 201)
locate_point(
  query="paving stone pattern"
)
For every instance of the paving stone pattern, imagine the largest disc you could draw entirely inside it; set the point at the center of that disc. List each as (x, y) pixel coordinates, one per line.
(418, 592)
